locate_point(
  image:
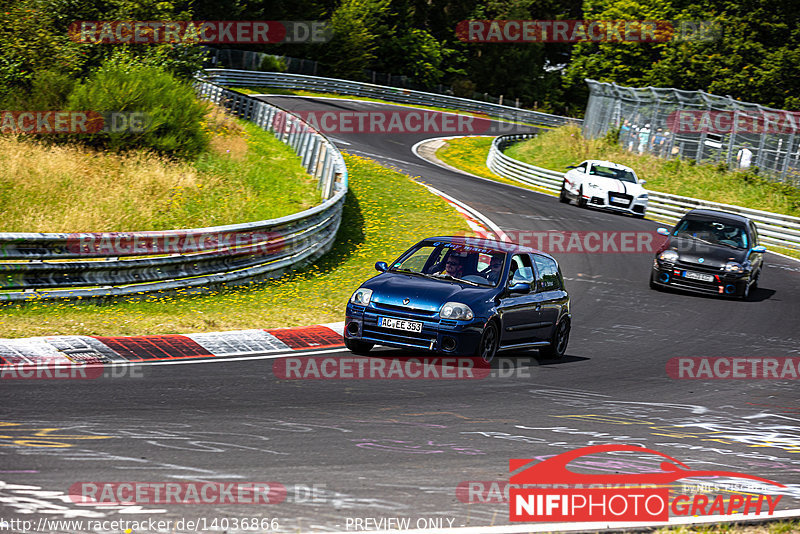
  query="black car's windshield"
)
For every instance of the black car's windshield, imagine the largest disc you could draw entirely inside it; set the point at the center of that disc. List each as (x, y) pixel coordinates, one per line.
(714, 232)
(454, 262)
(610, 172)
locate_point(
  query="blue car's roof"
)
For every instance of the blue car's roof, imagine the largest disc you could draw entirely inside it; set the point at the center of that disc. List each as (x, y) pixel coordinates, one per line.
(503, 246)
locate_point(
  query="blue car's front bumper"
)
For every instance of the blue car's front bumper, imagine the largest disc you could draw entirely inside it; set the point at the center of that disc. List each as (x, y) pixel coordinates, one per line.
(459, 338)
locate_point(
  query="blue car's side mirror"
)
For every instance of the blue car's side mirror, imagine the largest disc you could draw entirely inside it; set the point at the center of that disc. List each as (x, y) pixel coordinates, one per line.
(662, 231)
(381, 266)
(760, 248)
(520, 287)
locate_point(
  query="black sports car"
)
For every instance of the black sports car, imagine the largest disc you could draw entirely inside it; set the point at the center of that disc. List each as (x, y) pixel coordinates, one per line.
(710, 252)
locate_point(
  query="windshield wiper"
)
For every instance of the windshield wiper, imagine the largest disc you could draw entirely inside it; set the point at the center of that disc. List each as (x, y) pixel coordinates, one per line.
(449, 277)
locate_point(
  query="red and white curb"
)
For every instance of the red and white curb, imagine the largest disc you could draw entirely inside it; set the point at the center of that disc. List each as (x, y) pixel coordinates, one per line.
(70, 350)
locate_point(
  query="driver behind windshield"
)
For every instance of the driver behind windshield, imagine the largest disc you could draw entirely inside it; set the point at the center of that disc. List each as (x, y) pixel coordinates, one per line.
(453, 267)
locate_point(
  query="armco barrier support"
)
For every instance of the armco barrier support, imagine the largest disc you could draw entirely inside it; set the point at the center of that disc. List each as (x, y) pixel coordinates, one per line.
(239, 78)
(86, 265)
(773, 228)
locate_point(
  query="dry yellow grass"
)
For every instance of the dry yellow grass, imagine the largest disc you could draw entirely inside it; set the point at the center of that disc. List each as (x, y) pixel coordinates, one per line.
(96, 184)
(247, 175)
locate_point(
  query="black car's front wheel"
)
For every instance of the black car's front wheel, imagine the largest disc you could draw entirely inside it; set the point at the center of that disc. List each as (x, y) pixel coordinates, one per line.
(357, 346)
(558, 343)
(490, 342)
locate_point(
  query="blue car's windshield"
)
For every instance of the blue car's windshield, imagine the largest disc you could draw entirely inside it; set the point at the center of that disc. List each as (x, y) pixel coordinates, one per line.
(448, 261)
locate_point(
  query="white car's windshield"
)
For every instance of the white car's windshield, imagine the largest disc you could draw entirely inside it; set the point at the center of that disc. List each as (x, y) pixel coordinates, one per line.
(610, 172)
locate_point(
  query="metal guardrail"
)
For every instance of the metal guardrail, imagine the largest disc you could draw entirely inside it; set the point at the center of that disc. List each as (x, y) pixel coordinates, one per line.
(773, 228)
(238, 78)
(86, 265)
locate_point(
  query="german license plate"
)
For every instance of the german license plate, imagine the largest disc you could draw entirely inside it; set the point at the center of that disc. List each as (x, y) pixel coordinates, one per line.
(617, 201)
(400, 324)
(699, 276)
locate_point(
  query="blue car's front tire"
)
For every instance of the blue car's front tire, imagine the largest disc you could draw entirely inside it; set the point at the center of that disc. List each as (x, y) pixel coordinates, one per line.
(489, 343)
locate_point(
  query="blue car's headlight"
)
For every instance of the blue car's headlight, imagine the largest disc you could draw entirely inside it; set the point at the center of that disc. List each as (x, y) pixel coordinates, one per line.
(361, 296)
(456, 310)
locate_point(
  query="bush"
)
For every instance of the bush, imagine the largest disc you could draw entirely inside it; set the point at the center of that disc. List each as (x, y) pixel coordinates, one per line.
(173, 113)
(272, 63)
(49, 90)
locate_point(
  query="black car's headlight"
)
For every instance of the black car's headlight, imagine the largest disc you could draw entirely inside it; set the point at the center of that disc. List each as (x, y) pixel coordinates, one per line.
(361, 296)
(669, 255)
(456, 310)
(734, 267)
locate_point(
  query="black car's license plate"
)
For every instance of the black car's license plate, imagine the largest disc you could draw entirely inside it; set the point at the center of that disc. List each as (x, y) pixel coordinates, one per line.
(703, 277)
(400, 324)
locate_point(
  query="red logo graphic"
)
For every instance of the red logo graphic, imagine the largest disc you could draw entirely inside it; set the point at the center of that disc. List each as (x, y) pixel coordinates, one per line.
(630, 503)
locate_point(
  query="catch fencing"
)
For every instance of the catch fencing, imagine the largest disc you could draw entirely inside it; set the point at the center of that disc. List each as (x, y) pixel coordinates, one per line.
(697, 125)
(240, 78)
(35, 266)
(773, 228)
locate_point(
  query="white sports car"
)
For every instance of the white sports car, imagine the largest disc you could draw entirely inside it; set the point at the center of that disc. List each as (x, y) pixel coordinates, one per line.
(607, 185)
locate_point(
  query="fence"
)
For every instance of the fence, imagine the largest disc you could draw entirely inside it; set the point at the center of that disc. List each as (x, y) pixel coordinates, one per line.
(87, 265)
(773, 228)
(697, 125)
(393, 94)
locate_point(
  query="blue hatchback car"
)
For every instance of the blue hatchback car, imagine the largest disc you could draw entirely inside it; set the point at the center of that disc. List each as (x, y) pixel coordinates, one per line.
(462, 296)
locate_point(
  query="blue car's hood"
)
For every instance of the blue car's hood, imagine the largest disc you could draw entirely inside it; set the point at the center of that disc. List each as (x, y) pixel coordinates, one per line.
(423, 293)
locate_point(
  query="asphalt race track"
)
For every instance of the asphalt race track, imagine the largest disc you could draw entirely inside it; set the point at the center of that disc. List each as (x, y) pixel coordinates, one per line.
(349, 450)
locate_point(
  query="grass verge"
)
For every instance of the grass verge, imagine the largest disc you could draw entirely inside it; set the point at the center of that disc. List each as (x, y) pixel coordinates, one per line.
(469, 154)
(246, 175)
(771, 527)
(385, 213)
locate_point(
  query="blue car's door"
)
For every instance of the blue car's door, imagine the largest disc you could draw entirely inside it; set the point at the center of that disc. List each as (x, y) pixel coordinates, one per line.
(521, 313)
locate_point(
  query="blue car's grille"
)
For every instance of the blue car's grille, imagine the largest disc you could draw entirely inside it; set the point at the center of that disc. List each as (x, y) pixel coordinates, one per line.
(417, 339)
(404, 312)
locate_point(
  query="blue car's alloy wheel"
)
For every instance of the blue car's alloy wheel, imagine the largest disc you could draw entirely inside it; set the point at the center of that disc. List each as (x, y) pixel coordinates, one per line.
(490, 342)
(558, 345)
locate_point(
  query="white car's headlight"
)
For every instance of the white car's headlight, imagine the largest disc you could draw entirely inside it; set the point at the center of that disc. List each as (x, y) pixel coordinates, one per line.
(456, 310)
(668, 255)
(361, 296)
(734, 267)
(643, 196)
